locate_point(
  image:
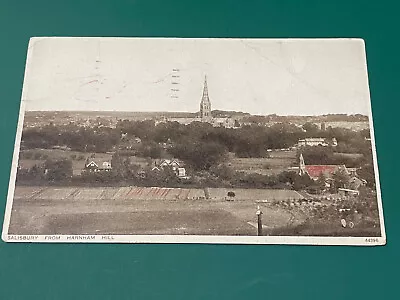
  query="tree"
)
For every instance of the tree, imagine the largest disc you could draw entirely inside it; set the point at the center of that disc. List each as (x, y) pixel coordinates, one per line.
(287, 177)
(317, 155)
(117, 165)
(310, 128)
(201, 156)
(222, 171)
(321, 181)
(341, 179)
(57, 170)
(152, 150)
(167, 176)
(367, 173)
(302, 182)
(122, 167)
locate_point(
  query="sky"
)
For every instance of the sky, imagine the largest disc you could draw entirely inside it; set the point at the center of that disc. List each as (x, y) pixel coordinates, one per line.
(258, 76)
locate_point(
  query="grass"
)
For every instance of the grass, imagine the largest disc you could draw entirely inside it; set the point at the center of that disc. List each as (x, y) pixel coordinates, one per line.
(127, 217)
(203, 222)
(115, 211)
(59, 153)
(254, 194)
(277, 162)
(324, 228)
(148, 193)
(348, 155)
(88, 211)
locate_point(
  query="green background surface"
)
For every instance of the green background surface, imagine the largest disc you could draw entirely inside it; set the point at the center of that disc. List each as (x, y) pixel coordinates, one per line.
(89, 271)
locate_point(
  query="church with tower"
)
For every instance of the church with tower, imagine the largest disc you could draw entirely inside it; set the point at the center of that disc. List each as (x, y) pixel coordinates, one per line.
(205, 113)
(205, 104)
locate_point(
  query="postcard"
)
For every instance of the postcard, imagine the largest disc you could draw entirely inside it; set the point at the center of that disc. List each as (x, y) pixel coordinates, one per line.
(181, 140)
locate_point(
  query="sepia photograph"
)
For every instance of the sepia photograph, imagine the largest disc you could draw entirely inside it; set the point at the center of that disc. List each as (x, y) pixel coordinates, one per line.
(181, 140)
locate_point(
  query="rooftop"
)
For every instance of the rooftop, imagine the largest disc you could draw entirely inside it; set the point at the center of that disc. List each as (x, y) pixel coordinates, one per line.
(316, 170)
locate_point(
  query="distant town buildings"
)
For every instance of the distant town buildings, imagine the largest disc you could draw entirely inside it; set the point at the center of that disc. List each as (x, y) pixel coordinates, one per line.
(129, 142)
(317, 142)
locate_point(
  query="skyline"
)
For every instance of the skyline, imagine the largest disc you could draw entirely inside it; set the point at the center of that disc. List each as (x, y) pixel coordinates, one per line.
(303, 77)
(178, 112)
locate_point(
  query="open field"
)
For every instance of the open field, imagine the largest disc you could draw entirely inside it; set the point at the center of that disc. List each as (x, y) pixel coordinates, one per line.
(60, 153)
(357, 126)
(171, 211)
(28, 193)
(143, 217)
(278, 162)
(132, 210)
(348, 155)
(254, 194)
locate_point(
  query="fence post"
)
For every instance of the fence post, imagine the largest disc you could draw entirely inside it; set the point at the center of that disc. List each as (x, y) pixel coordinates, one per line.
(259, 221)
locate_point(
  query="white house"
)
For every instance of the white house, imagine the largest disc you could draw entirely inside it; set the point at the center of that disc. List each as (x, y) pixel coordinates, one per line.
(181, 172)
(174, 164)
(317, 142)
(98, 166)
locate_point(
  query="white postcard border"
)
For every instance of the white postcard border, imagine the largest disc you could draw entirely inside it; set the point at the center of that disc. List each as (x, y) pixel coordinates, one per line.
(184, 239)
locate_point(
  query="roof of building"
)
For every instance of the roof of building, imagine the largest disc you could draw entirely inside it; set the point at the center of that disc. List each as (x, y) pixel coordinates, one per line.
(348, 190)
(170, 162)
(99, 163)
(316, 170)
(167, 162)
(315, 139)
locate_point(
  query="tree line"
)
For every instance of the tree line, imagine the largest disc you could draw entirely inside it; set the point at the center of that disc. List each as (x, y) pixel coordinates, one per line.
(124, 172)
(77, 138)
(200, 145)
(245, 141)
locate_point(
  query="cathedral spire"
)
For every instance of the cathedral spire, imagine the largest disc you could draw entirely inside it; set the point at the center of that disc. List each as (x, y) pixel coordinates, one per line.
(205, 90)
(205, 104)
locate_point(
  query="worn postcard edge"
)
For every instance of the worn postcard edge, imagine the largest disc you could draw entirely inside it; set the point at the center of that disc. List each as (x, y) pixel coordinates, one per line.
(185, 239)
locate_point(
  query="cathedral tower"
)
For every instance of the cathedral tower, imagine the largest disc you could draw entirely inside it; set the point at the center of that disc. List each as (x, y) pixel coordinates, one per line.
(205, 104)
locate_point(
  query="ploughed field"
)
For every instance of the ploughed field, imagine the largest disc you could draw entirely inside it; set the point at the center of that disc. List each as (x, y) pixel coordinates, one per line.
(144, 210)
